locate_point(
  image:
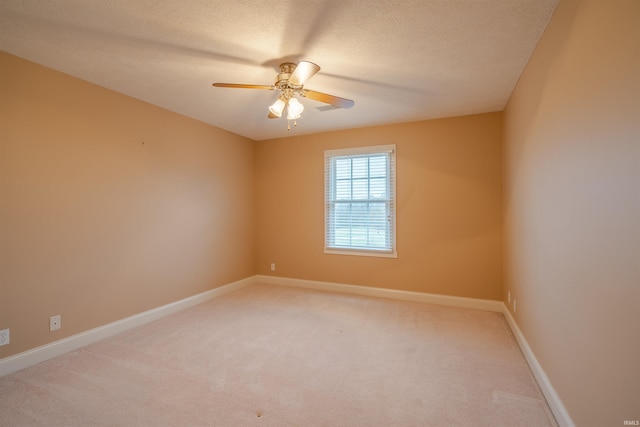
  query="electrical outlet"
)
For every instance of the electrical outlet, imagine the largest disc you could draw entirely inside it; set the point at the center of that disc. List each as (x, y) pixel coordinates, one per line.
(55, 323)
(273, 266)
(4, 337)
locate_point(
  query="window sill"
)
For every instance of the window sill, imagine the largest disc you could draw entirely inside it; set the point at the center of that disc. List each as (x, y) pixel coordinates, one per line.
(361, 252)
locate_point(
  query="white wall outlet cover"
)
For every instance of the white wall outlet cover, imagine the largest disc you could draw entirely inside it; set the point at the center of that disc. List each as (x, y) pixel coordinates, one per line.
(55, 323)
(4, 337)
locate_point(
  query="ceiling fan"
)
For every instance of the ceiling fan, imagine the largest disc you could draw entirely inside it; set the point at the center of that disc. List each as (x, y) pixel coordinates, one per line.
(290, 82)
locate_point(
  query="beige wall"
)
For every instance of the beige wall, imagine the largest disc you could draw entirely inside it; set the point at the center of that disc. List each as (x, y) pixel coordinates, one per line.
(110, 206)
(449, 196)
(572, 207)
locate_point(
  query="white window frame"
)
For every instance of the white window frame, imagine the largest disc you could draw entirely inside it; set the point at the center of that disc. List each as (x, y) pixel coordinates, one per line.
(330, 182)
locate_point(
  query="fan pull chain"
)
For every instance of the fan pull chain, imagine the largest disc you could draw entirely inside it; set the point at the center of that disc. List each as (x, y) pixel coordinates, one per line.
(295, 123)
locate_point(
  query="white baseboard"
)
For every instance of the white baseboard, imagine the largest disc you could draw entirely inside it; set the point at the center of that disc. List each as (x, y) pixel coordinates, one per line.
(555, 403)
(36, 355)
(479, 304)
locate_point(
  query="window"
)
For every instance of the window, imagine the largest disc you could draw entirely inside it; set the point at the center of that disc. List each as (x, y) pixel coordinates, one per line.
(360, 201)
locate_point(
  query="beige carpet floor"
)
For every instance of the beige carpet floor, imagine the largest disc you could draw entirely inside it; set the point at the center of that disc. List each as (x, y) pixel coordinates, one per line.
(277, 356)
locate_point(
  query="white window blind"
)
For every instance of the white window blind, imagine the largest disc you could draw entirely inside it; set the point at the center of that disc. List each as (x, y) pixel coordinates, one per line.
(360, 201)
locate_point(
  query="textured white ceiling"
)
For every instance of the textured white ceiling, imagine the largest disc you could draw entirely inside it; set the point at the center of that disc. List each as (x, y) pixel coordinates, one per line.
(400, 61)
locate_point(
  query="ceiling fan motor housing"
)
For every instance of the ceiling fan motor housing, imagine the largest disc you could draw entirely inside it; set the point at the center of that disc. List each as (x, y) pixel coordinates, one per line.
(282, 79)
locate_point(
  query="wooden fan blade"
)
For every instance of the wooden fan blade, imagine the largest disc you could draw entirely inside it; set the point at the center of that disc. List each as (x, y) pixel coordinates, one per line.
(336, 101)
(272, 116)
(241, 86)
(303, 72)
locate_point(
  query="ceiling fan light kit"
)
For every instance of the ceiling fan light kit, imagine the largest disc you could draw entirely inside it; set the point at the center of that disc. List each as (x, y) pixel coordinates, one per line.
(295, 109)
(290, 82)
(277, 107)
